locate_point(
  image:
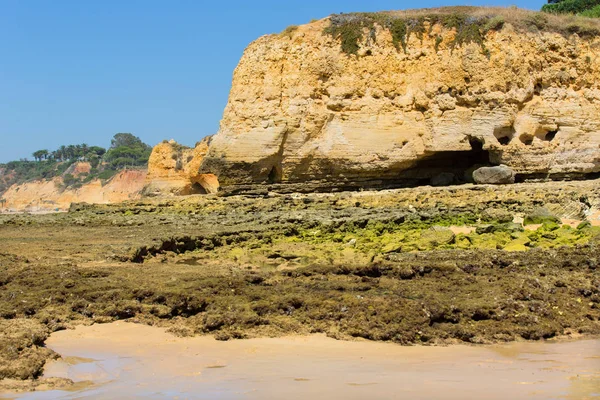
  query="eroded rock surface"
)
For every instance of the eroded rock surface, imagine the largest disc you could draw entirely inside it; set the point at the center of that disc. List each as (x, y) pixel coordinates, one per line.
(173, 169)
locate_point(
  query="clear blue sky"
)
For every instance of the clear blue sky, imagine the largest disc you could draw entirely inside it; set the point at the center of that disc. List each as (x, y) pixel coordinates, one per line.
(78, 71)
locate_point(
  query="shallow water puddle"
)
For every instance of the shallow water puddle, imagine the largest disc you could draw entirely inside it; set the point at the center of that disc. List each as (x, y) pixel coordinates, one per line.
(122, 360)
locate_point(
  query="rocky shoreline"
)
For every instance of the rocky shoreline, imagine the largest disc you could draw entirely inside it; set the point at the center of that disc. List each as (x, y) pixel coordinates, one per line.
(474, 264)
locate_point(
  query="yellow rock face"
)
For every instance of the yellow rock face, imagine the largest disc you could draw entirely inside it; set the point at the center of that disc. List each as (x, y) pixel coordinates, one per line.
(173, 169)
(302, 110)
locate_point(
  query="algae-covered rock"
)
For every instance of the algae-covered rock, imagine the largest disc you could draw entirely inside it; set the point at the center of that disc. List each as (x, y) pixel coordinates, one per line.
(496, 215)
(434, 237)
(21, 353)
(519, 243)
(462, 242)
(484, 229)
(551, 235)
(505, 227)
(490, 241)
(539, 216)
(585, 225)
(391, 248)
(550, 226)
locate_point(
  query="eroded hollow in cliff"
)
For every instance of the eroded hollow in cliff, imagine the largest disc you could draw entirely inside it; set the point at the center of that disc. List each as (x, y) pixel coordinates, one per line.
(204, 184)
(444, 168)
(526, 139)
(275, 175)
(504, 134)
(198, 189)
(548, 136)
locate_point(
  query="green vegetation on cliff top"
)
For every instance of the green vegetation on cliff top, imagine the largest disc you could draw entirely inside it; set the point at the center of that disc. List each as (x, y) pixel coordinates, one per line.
(471, 24)
(586, 8)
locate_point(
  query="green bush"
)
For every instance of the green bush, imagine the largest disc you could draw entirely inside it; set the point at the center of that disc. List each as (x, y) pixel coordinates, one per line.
(494, 24)
(571, 6)
(106, 174)
(350, 32)
(70, 181)
(289, 31)
(399, 31)
(537, 20)
(127, 150)
(592, 12)
(25, 171)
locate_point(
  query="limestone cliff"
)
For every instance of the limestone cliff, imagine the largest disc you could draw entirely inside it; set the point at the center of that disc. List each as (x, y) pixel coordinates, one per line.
(301, 109)
(173, 169)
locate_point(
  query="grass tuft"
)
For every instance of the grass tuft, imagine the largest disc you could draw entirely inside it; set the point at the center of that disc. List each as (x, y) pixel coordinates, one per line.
(289, 31)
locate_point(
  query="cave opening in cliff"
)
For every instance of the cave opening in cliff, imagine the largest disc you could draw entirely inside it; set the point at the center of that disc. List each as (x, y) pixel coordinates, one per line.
(275, 175)
(444, 168)
(198, 189)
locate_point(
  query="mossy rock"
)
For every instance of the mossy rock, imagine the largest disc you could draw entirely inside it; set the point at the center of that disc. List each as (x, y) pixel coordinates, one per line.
(338, 237)
(585, 225)
(494, 215)
(434, 237)
(551, 226)
(484, 229)
(503, 227)
(236, 254)
(391, 248)
(519, 243)
(462, 242)
(491, 241)
(540, 216)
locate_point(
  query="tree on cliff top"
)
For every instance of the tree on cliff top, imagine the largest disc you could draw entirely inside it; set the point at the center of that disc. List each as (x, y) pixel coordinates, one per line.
(586, 8)
(127, 150)
(40, 155)
(126, 140)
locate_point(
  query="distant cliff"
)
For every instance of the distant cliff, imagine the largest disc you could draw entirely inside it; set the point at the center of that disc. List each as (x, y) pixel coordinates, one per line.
(391, 98)
(75, 173)
(52, 195)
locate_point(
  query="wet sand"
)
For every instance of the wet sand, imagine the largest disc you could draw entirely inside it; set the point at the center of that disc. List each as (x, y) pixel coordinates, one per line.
(123, 360)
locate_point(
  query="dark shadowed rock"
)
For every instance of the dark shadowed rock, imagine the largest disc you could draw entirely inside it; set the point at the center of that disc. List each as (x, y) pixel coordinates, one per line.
(443, 179)
(499, 175)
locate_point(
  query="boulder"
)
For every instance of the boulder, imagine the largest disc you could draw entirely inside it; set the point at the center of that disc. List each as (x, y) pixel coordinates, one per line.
(434, 237)
(498, 175)
(496, 215)
(508, 227)
(540, 216)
